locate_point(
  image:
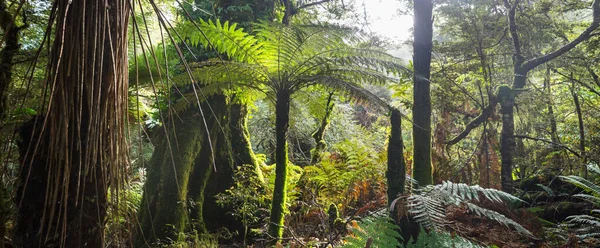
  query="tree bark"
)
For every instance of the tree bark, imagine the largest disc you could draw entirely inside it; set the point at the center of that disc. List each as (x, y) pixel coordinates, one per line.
(422, 45)
(70, 155)
(282, 119)
(581, 131)
(163, 210)
(396, 168)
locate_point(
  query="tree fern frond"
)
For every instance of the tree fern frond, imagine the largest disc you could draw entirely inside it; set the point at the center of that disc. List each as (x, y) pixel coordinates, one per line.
(353, 90)
(427, 204)
(582, 183)
(427, 211)
(498, 217)
(440, 239)
(224, 38)
(589, 198)
(584, 219)
(380, 228)
(593, 168)
(467, 192)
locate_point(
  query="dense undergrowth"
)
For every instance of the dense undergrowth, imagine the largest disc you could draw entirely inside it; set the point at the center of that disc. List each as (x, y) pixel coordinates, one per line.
(341, 202)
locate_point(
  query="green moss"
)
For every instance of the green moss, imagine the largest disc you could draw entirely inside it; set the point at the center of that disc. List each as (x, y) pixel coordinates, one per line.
(164, 205)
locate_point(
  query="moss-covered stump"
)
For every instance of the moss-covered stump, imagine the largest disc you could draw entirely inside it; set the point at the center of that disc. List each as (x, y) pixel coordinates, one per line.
(185, 174)
(163, 211)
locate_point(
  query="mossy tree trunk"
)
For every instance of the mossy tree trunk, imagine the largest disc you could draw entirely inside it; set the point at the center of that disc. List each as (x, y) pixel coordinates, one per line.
(507, 139)
(163, 210)
(319, 134)
(11, 38)
(167, 208)
(422, 45)
(282, 120)
(584, 170)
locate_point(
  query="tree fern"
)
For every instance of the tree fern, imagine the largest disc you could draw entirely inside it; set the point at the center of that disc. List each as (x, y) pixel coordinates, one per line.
(427, 205)
(281, 60)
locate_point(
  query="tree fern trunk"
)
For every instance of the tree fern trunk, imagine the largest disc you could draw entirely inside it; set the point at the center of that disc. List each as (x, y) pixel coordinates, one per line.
(507, 138)
(282, 119)
(396, 171)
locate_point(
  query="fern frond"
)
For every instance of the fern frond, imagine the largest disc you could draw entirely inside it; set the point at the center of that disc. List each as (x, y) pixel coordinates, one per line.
(498, 217)
(379, 227)
(440, 239)
(584, 220)
(427, 211)
(224, 38)
(351, 89)
(582, 183)
(427, 205)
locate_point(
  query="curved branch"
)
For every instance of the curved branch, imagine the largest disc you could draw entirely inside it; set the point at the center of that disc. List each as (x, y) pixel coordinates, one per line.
(550, 142)
(304, 6)
(531, 64)
(487, 111)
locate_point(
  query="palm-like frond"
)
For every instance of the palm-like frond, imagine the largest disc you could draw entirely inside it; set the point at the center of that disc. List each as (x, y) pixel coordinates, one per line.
(226, 39)
(428, 204)
(585, 225)
(294, 57)
(583, 183)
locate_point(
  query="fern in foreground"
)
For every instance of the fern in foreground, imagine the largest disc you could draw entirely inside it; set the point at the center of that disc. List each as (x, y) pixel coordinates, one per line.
(435, 239)
(428, 204)
(379, 228)
(585, 225)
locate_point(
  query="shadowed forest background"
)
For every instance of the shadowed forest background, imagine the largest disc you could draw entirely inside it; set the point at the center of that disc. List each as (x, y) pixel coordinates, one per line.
(289, 123)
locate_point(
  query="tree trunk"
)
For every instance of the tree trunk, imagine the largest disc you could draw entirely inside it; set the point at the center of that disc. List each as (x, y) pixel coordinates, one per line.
(422, 45)
(163, 210)
(11, 36)
(550, 107)
(282, 119)
(71, 155)
(507, 138)
(584, 170)
(396, 170)
(320, 132)
(188, 174)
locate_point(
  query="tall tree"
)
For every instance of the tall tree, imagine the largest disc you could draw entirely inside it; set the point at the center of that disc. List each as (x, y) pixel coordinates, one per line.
(76, 149)
(521, 67)
(422, 45)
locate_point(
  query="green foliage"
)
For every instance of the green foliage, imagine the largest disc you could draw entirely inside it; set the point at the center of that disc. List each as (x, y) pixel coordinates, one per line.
(292, 58)
(379, 227)
(294, 173)
(119, 226)
(248, 197)
(428, 204)
(340, 173)
(585, 225)
(434, 239)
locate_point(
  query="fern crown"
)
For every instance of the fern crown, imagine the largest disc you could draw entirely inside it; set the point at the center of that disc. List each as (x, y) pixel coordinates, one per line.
(289, 58)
